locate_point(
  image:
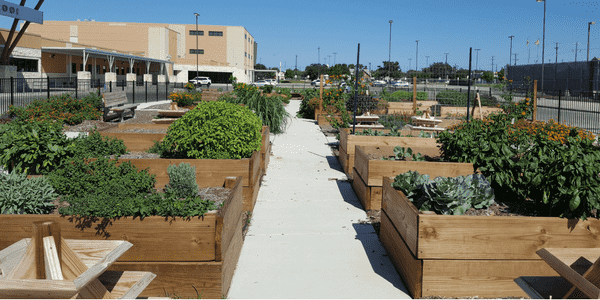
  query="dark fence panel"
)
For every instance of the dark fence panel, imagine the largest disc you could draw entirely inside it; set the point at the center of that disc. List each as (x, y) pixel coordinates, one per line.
(581, 110)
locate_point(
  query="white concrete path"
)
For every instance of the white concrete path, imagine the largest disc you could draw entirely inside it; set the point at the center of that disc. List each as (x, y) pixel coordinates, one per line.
(305, 240)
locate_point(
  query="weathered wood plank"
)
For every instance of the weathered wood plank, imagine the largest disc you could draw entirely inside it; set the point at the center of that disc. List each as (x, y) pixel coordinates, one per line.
(136, 141)
(93, 272)
(176, 279)
(375, 170)
(11, 256)
(343, 158)
(483, 278)
(231, 257)
(585, 285)
(362, 191)
(127, 284)
(227, 218)
(51, 260)
(480, 237)
(450, 111)
(402, 213)
(409, 268)
(36, 289)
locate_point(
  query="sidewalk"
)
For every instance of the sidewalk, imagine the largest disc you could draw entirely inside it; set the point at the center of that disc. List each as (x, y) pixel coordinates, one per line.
(305, 240)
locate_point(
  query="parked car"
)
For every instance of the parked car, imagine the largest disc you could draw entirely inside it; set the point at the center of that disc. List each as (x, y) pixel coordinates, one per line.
(273, 82)
(261, 83)
(200, 81)
(379, 83)
(401, 84)
(345, 87)
(317, 82)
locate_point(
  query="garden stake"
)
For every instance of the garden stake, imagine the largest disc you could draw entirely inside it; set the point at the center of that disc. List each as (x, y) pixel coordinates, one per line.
(469, 88)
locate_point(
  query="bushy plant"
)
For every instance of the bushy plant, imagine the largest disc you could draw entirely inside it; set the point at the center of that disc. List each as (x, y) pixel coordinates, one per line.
(402, 153)
(554, 165)
(185, 99)
(402, 96)
(267, 88)
(94, 99)
(269, 109)
(19, 195)
(32, 147)
(182, 181)
(307, 110)
(214, 130)
(61, 109)
(95, 145)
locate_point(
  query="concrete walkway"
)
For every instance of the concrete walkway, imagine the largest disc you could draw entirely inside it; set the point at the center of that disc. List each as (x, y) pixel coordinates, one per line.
(305, 240)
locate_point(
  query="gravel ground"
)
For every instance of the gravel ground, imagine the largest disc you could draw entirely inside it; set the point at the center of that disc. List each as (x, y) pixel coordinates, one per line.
(144, 116)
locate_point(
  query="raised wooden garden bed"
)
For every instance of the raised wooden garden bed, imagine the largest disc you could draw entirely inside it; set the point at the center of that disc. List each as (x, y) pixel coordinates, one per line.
(369, 172)
(265, 150)
(137, 141)
(349, 141)
(200, 252)
(209, 172)
(467, 256)
(407, 107)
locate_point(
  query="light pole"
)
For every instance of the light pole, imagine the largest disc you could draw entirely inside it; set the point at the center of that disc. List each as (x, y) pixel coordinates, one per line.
(417, 58)
(390, 54)
(329, 56)
(588, 47)
(476, 60)
(446, 66)
(543, 42)
(334, 54)
(319, 58)
(197, 15)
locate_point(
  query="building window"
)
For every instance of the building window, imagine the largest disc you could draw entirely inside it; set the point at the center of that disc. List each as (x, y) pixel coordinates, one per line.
(245, 54)
(245, 36)
(24, 65)
(194, 32)
(73, 68)
(215, 33)
(196, 51)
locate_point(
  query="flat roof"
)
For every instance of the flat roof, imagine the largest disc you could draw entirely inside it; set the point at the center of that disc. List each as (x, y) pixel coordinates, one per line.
(100, 53)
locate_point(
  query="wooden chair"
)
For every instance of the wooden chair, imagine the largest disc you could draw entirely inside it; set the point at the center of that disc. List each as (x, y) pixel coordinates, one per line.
(579, 269)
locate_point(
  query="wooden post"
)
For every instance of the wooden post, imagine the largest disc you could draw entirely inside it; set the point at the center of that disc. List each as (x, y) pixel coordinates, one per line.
(415, 95)
(479, 102)
(534, 117)
(321, 94)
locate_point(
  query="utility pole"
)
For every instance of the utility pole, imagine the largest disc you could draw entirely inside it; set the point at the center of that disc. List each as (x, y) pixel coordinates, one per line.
(334, 53)
(319, 59)
(556, 53)
(296, 62)
(445, 66)
(510, 57)
(492, 65)
(427, 56)
(417, 59)
(329, 56)
(576, 44)
(516, 58)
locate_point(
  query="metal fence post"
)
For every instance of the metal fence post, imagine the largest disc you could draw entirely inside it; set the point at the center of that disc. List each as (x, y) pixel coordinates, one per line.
(133, 87)
(146, 88)
(12, 92)
(559, 96)
(76, 88)
(110, 86)
(157, 91)
(48, 86)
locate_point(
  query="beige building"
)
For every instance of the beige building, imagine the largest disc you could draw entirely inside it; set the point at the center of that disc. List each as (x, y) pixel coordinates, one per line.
(69, 47)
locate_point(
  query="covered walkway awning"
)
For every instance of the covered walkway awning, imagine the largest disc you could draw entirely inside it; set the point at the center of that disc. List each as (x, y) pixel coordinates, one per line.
(111, 56)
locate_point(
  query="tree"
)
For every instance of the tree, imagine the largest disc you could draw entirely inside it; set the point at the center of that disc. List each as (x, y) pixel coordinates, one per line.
(439, 70)
(389, 70)
(313, 71)
(488, 76)
(501, 75)
(260, 67)
(339, 69)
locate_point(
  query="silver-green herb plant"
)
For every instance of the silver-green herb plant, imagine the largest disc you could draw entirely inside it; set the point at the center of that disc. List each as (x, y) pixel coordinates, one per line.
(182, 181)
(20, 195)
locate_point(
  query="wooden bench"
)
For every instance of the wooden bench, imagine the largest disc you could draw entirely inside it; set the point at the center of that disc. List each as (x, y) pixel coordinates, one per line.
(116, 106)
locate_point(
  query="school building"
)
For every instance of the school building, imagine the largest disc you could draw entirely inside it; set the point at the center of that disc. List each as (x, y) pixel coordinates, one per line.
(111, 51)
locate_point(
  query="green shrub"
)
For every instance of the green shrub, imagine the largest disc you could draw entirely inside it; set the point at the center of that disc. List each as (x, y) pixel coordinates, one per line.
(62, 109)
(267, 88)
(456, 98)
(307, 111)
(182, 181)
(32, 147)
(269, 109)
(549, 165)
(94, 99)
(214, 130)
(19, 195)
(95, 145)
(402, 96)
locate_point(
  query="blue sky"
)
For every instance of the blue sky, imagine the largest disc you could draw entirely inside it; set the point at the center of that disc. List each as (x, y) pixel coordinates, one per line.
(284, 29)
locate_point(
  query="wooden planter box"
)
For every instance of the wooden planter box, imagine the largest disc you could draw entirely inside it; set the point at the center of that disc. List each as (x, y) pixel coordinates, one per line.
(451, 111)
(467, 256)
(369, 173)
(265, 150)
(209, 172)
(349, 141)
(137, 141)
(407, 107)
(201, 252)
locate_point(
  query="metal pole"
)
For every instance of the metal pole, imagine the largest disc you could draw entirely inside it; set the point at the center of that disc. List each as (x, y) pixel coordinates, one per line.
(588, 45)
(48, 85)
(390, 54)
(469, 82)
(543, 44)
(356, 87)
(417, 58)
(196, 45)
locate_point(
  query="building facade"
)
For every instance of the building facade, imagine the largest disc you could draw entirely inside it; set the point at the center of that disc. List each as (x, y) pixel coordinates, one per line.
(178, 51)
